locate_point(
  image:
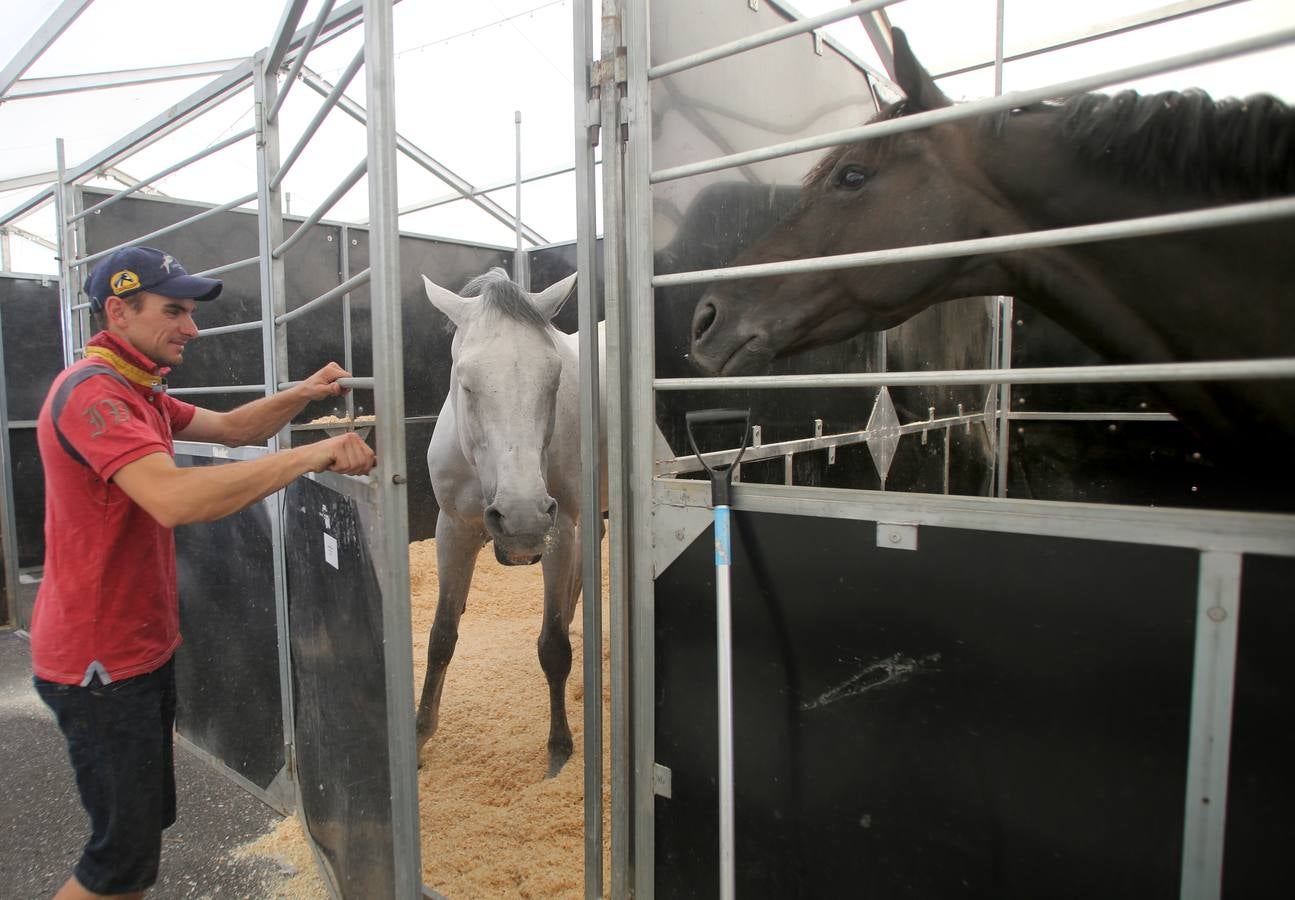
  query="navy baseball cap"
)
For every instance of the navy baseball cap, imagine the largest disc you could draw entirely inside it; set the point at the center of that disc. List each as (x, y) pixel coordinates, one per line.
(126, 272)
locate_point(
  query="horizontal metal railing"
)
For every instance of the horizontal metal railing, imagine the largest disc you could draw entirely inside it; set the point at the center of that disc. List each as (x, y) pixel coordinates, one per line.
(975, 108)
(169, 170)
(328, 203)
(183, 223)
(764, 38)
(1169, 223)
(299, 59)
(1227, 370)
(358, 280)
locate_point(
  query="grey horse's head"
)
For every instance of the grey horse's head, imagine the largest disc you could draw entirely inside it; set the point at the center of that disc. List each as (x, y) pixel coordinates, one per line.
(503, 387)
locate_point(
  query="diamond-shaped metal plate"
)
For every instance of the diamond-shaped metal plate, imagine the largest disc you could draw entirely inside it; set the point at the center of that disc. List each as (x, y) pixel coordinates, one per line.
(883, 433)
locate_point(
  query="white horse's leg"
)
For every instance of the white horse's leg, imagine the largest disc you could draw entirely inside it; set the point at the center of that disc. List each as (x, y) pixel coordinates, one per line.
(562, 581)
(457, 546)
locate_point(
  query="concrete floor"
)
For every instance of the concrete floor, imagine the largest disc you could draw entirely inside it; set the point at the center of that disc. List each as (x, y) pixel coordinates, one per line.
(43, 826)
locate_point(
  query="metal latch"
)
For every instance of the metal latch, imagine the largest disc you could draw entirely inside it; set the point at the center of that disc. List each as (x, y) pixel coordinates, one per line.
(896, 537)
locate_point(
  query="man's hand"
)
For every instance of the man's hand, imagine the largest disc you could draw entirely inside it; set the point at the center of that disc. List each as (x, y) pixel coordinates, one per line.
(324, 383)
(346, 454)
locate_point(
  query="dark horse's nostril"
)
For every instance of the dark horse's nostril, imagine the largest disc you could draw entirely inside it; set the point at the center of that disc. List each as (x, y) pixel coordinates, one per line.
(703, 320)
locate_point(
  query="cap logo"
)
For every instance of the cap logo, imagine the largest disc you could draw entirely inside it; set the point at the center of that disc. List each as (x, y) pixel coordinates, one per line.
(124, 281)
(167, 261)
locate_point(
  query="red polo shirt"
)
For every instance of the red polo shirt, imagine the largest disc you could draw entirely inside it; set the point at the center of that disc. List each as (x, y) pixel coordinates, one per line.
(108, 602)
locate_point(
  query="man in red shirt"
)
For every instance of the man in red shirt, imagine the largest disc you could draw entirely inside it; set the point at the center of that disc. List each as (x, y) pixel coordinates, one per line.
(106, 621)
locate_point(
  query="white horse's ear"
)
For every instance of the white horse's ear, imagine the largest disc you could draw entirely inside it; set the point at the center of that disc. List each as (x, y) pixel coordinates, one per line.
(447, 302)
(551, 299)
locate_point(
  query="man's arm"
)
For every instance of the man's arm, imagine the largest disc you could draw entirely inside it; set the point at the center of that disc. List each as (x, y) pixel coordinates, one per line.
(179, 496)
(253, 422)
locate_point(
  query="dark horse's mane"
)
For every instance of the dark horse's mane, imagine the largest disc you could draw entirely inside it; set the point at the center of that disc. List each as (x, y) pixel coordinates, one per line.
(500, 295)
(1185, 140)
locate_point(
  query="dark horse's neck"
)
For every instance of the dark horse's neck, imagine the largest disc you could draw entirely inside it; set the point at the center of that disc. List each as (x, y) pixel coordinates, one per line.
(1223, 293)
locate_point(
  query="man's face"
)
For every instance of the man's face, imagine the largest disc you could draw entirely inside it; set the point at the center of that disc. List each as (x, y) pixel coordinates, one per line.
(157, 326)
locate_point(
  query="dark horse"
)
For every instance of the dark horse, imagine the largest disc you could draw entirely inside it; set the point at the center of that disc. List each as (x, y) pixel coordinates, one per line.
(1220, 293)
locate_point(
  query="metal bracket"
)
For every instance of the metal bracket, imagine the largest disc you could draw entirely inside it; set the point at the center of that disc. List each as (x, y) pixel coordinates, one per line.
(818, 43)
(896, 537)
(661, 781)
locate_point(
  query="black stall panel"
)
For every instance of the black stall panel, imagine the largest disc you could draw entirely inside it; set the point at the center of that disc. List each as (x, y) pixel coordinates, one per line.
(1156, 463)
(1261, 792)
(312, 267)
(989, 716)
(33, 356)
(335, 615)
(230, 703)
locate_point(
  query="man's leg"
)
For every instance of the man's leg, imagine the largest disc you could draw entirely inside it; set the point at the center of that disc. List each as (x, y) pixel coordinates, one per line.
(119, 742)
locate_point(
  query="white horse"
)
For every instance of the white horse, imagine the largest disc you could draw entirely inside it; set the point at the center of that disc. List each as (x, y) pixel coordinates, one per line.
(505, 465)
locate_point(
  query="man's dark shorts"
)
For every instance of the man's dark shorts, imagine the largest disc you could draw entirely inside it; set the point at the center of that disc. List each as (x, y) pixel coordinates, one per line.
(119, 737)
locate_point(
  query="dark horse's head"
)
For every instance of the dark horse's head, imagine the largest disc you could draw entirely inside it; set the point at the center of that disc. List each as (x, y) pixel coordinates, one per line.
(849, 203)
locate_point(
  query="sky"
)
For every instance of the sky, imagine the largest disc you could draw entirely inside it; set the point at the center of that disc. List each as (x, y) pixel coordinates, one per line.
(463, 70)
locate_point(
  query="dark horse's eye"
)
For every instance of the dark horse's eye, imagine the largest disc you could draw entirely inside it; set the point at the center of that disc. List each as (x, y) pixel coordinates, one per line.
(853, 177)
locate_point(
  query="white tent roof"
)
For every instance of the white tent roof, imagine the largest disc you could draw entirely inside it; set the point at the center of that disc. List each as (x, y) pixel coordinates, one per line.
(464, 69)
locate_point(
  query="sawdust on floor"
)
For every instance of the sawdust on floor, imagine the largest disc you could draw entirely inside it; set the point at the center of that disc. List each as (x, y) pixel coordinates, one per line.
(492, 824)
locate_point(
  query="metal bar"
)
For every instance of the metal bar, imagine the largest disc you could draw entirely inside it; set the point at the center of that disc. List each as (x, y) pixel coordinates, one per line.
(6, 253)
(637, 367)
(413, 152)
(390, 475)
(8, 517)
(757, 452)
(591, 450)
(1230, 370)
(960, 111)
(1097, 31)
(520, 273)
(1006, 326)
(48, 32)
(320, 114)
(764, 38)
(329, 202)
(282, 40)
(998, 48)
(229, 267)
(350, 284)
(359, 384)
(63, 199)
(344, 241)
(1218, 608)
(26, 235)
(1091, 417)
(1230, 532)
(230, 329)
(26, 181)
(126, 192)
(31, 204)
(206, 214)
(299, 59)
(1169, 223)
(489, 188)
(97, 81)
(205, 98)
(269, 232)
